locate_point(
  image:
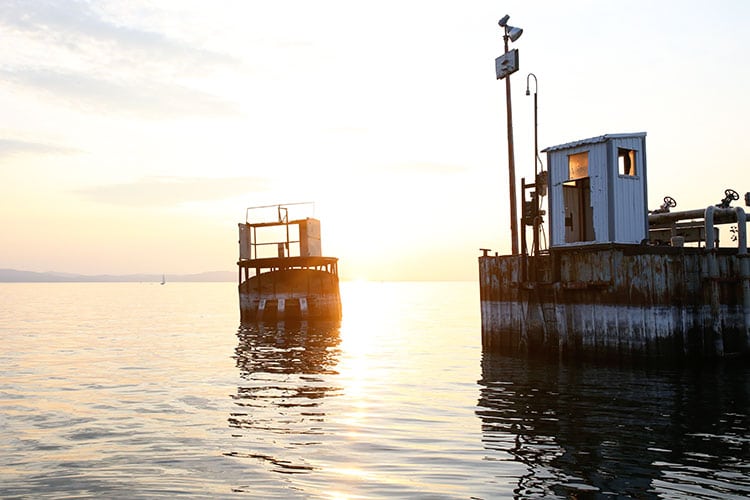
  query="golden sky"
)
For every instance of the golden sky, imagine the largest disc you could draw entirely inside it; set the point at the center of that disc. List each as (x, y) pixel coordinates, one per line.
(136, 133)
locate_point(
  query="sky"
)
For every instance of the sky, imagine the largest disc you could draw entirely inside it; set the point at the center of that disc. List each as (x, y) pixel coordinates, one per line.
(135, 134)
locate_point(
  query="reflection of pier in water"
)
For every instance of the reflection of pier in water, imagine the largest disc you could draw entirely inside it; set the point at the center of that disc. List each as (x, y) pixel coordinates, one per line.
(288, 370)
(628, 433)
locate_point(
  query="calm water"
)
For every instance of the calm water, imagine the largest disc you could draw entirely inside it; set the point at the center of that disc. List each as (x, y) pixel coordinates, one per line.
(148, 391)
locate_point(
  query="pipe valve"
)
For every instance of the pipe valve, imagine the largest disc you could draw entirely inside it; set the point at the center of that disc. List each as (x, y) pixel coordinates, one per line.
(730, 195)
(668, 203)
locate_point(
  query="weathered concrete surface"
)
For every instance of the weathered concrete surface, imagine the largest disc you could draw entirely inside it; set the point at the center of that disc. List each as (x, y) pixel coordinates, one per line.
(290, 294)
(617, 301)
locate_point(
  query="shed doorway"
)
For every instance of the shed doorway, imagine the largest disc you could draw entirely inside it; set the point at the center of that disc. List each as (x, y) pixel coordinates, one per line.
(579, 215)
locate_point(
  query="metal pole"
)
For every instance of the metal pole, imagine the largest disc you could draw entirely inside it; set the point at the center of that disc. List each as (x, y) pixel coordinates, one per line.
(536, 136)
(536, 196)
(511, 162)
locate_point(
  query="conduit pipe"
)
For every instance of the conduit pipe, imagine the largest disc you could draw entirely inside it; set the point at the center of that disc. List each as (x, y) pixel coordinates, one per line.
(742, 256)
(708, 218)
(715, 332)
(744, 264)
(737, 215)
(721, 216)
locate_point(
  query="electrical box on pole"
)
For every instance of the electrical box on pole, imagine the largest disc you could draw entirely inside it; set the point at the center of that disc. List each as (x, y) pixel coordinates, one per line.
(506, 64)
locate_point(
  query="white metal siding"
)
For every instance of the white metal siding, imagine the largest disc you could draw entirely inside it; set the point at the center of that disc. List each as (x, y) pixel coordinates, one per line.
(558, 173)
(626, 210)
(629, 195)
(557, 165)
(310, 238)
(245, 252)
(599, 197)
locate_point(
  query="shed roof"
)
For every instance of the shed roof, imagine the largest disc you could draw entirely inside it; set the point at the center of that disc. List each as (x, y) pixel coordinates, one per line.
(593, 140)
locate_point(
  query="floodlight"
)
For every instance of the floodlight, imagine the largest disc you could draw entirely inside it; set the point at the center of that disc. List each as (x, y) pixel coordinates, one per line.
(503, 20)
(528, 87)
(514, 33)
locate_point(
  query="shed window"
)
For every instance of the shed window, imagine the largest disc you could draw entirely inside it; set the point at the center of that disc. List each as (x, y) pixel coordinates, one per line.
(626, 161)
(578, 166)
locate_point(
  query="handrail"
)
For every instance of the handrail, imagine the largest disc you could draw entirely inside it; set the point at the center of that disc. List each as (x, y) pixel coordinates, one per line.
(279, 206)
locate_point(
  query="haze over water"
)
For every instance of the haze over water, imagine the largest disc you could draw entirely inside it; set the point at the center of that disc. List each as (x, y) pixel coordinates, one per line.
(138, 390)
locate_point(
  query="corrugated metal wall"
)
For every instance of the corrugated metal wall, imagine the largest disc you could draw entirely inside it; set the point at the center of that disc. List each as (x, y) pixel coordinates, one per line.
(558, 173)
(618, 202)
(629, 194)
(598, 173)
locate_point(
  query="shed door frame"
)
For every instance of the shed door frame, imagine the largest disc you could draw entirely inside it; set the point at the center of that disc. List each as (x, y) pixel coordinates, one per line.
(579, 214)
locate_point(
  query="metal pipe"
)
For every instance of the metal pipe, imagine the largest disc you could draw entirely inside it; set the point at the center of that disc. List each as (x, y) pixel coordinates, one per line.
(741, 231)
(742, 256)
(708, 217)
(670, 217)
(536, 136)
(720, 215)
(715, 331)
(524, 249)
(537, 161)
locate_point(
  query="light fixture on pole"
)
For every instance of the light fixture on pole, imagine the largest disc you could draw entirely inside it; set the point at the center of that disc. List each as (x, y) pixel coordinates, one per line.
(537, 160)
(513, 33)
(505, 65)
(539, 185)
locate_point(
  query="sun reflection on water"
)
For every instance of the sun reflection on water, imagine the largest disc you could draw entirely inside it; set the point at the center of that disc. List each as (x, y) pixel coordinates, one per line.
(361, 335)
(137, 391)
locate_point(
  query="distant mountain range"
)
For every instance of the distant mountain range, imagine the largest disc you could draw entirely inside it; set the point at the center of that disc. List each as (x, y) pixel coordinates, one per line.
(15, 276)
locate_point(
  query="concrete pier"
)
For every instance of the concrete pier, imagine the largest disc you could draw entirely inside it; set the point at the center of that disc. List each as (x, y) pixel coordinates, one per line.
(617, 301)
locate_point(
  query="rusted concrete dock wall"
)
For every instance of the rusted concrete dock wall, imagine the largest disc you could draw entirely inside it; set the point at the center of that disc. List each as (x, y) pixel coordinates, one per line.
(617, 301)
(290, 294)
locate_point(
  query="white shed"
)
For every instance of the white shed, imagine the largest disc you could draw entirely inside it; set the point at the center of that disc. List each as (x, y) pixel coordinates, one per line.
(597, 190)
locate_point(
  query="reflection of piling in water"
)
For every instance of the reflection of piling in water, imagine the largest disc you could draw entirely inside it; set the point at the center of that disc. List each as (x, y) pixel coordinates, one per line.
(289, 347)
(287, 371)
(579, 430)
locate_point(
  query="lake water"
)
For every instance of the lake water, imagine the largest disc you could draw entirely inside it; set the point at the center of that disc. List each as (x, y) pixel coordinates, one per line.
(129, 390)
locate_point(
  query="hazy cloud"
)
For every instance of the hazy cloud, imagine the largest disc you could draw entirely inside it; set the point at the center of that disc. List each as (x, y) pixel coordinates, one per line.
(10, 147)
(54, 16)
(149, 98)
(427, 168)
(75, 24)
(96, 63)
(167, 191)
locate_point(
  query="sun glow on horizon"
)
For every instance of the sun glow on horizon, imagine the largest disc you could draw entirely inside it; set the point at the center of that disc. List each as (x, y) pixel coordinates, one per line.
(143, 156)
